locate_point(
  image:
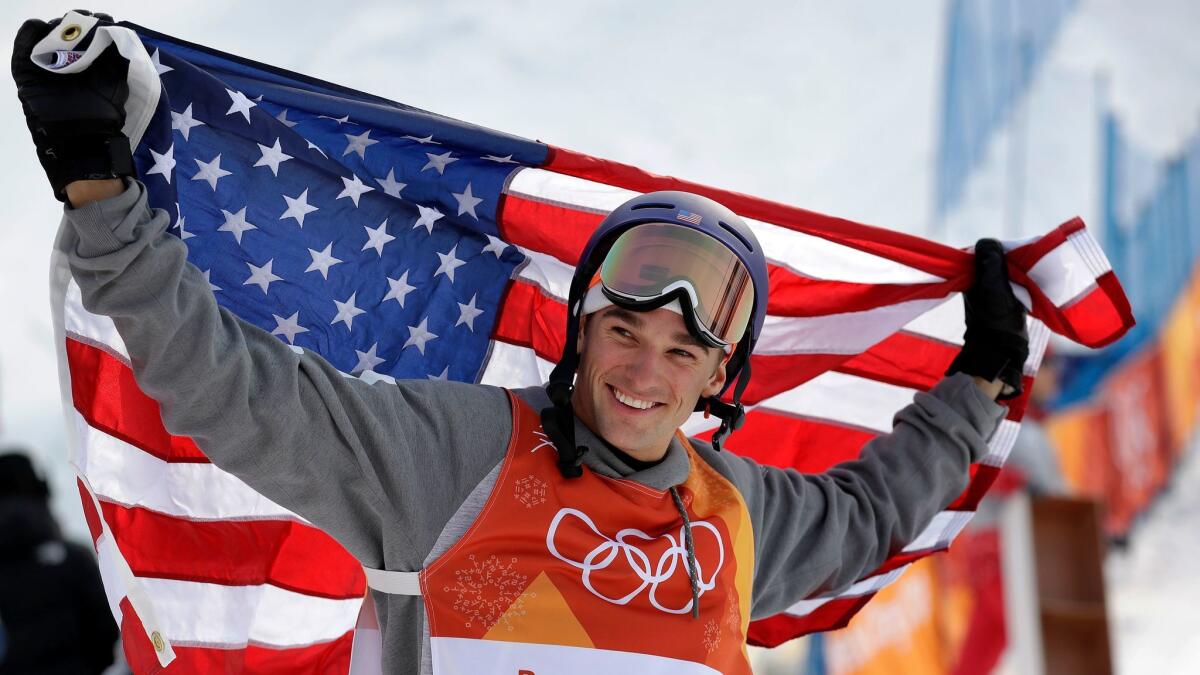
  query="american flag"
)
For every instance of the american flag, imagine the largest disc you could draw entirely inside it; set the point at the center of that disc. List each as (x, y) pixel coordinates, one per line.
(398, 243)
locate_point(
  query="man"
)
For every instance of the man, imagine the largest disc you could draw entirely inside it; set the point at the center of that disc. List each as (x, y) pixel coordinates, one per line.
(565, 527)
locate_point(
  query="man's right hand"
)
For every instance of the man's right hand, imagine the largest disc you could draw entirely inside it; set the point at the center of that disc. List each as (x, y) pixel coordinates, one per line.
(75, 119)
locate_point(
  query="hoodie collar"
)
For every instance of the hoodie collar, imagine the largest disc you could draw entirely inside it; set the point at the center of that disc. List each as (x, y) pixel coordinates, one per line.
(671, 471)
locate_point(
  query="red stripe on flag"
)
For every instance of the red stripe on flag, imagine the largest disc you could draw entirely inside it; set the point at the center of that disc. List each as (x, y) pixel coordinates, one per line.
(95, 528)
(530, 318)
(140, 654)
(523, 222)
(932, 257)
(809, 446)
(780, 628)
(982, 477)
(552, 229)
(325, 657)
(109, 398)
(903, 359)
(283, 553)
(1102, 315)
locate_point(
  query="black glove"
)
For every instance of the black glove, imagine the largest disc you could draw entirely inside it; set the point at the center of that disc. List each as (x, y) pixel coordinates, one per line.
(76, 118)
(996, 343)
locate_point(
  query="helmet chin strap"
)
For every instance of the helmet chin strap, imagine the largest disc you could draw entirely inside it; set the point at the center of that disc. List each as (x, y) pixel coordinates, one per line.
(558, 421)
(732, 414)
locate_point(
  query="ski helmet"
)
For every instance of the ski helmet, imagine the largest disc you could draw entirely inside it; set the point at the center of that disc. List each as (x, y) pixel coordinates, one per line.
(710, 300)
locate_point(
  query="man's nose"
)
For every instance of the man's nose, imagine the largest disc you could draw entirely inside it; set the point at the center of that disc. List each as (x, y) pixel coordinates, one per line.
(645, 369)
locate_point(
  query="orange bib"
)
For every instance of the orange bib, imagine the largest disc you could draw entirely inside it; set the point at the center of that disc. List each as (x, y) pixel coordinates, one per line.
(591, 575)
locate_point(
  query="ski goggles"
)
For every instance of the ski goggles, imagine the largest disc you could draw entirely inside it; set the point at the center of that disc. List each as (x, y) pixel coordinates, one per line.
(654, 263)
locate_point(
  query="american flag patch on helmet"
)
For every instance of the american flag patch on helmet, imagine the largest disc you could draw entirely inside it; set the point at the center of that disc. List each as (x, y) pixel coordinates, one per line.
(689, 217)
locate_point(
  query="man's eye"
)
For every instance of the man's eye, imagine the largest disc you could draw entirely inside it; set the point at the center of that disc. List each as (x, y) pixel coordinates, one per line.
(622, 332)
(684, 353)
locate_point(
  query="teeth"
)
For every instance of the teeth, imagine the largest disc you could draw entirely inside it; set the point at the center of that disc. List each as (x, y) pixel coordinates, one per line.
(632, 402)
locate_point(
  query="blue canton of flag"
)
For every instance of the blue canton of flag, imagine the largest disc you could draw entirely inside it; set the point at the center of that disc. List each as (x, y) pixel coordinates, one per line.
(372, 244)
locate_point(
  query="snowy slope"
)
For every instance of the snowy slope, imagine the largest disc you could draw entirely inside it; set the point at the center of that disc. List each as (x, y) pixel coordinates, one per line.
(1154, 587)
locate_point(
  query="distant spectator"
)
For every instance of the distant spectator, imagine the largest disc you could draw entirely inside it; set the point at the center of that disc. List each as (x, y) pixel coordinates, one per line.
(55, 613)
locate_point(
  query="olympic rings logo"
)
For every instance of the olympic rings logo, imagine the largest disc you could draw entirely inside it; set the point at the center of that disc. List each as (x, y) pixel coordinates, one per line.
(610, 550)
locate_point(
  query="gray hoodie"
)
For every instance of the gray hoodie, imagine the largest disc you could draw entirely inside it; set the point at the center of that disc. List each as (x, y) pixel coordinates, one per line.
(395, 472)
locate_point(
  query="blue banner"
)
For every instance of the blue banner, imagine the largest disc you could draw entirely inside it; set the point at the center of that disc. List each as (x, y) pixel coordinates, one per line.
(993, 48)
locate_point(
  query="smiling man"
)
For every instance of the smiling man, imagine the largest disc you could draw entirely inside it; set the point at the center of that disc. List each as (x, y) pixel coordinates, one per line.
(564, 528)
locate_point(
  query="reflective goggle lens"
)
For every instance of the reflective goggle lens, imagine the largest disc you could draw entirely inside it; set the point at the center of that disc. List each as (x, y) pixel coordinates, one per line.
(651, 260)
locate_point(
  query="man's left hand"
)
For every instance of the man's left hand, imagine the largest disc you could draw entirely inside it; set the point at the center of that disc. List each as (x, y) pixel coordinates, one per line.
(995, 344)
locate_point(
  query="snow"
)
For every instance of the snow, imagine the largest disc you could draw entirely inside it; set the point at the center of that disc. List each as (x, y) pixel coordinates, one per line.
(1153, 586)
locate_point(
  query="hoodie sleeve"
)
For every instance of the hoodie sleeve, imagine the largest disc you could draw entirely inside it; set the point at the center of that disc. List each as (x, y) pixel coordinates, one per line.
(819, 533)
(346, 455)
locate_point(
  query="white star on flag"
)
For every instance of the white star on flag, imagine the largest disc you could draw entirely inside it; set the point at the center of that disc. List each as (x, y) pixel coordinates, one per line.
(377, 237)
(367, 360)
(211, 286)
(211, 171)
(496, 246)
(422, 141)
(184, 122)
(449, 263)
(467, 314)
(340, 120)
(236, 223)
(429, 216)
(164, 164)
(282, 117)
(261, 276)
(418, 335)
(354, 188)
(346, 311)
(272, 157)
(438, 162)
(391, 186)
(444, 375)
(313, 147)
(322, 260)
(289, 327)
(184, 235)
(507, 159)
(467, 202)
(398, 288)
(158, 66)
(358, 144)
(298, 207)
(240, 104)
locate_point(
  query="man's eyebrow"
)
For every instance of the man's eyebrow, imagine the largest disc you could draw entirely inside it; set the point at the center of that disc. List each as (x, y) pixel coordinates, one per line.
(691, 340)
(632, 318)
(626, 316)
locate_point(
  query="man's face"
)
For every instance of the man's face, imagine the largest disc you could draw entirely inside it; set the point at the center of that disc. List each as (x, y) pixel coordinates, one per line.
(640, 375)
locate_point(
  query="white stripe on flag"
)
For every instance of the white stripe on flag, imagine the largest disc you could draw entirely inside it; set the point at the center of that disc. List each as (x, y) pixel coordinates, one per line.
(195, 613)
(938, 533)
(845, 333)
(864, 587)
(848, 400)
(514, 367)
(94, 328)
(122, 473)
(812, 256)
(1068, 271)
